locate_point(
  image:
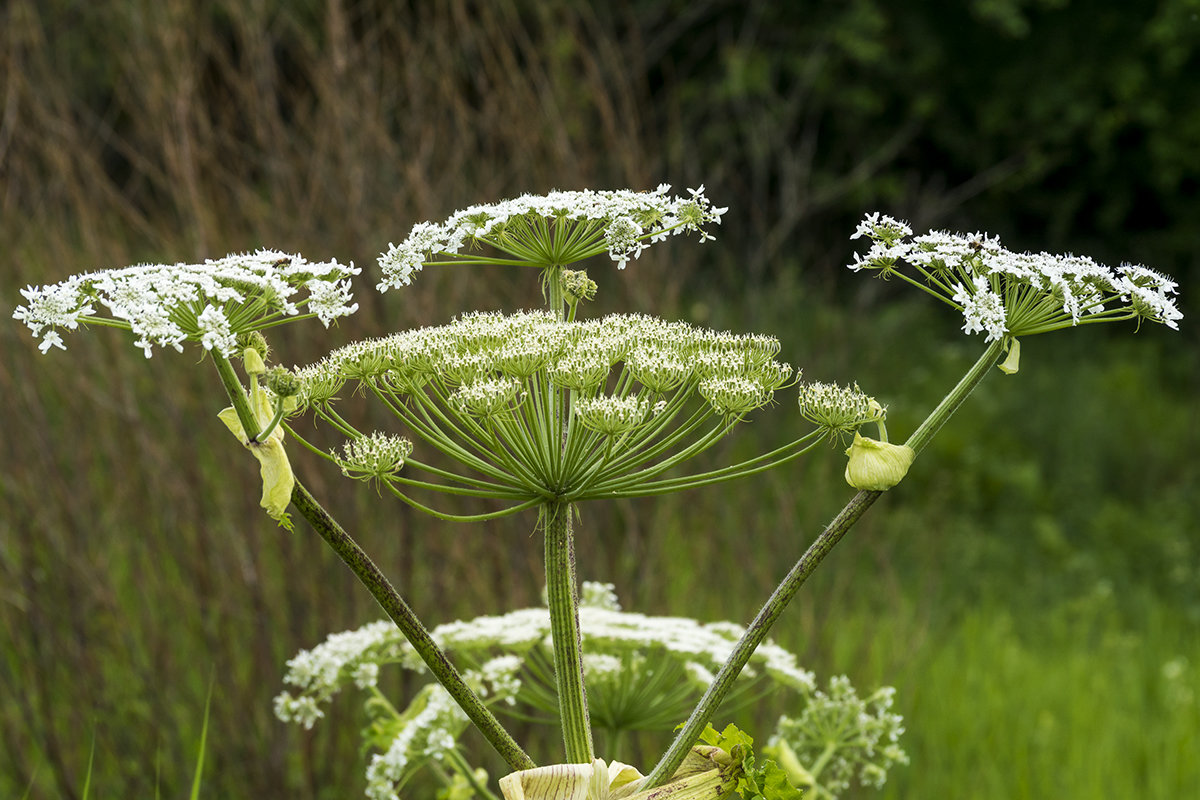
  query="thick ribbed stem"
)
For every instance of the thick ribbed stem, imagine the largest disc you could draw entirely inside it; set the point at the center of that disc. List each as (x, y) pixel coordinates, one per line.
(957, 396)
(563, 597)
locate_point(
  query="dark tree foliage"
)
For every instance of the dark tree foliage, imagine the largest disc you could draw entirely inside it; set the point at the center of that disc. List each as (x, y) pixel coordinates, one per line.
(1061, 125)
(1058, 124)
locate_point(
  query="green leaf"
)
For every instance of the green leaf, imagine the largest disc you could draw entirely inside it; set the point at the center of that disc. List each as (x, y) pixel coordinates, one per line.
(766, 780)
(203, 742)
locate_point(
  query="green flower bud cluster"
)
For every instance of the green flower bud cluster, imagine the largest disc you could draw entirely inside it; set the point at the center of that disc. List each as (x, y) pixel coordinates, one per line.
(577, 286)
(837, 410)
(611, 415)
(486, 397)
(376, 457)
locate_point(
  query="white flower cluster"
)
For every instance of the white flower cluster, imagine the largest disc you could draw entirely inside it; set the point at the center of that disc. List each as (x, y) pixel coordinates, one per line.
(321, 672)
(628, 658)
(700, 649)
(1005, 293)
(213, 302)
(558, 228)
(611, 415)
(430, 729)
(544, 407)
(485, 396)
(840, 734)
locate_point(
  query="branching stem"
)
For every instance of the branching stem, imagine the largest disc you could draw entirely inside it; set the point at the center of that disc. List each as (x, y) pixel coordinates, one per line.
(689, 734)
(384, 593)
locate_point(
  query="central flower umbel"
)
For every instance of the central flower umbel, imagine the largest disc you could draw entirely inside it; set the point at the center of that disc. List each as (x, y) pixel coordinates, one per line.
(541, 410)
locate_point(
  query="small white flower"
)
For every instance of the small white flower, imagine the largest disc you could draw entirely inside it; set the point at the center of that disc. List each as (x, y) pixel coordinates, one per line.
(51, 339)
(982, 309)
(214, 331)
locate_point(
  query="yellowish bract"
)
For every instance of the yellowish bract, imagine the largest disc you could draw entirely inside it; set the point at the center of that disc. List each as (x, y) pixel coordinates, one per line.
(877, 466)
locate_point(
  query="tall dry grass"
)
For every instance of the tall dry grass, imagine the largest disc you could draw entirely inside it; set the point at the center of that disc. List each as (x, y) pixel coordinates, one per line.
(176, 131)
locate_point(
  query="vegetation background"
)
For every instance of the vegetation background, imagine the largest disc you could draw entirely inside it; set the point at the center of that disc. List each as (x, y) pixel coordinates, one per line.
(1031, 589)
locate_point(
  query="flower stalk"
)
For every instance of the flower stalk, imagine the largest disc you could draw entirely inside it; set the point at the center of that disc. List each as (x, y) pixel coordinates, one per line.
(689, 734)
(354, 557)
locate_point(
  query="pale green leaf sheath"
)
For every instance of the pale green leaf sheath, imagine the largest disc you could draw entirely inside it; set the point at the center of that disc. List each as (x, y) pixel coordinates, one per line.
(276, 471)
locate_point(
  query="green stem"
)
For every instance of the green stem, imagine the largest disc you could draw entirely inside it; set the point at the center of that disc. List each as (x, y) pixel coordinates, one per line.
(385, 594)
(274, 423)
(418, 636)
(554, 292)
(689, 734)
(563, 598)
(461, 766)
(957, 396)
(822, 760)
(237, 395)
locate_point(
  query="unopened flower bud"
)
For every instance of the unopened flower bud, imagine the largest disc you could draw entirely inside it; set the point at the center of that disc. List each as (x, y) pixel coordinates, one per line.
(256, 341)
(877, 466)
(253, 361)
(282, 382)
(576, 286)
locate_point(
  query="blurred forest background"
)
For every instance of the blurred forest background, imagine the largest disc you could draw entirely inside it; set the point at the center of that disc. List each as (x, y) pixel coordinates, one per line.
(1032, 589)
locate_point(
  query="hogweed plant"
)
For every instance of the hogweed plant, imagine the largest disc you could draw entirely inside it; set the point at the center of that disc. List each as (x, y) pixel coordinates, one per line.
(541, 411)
